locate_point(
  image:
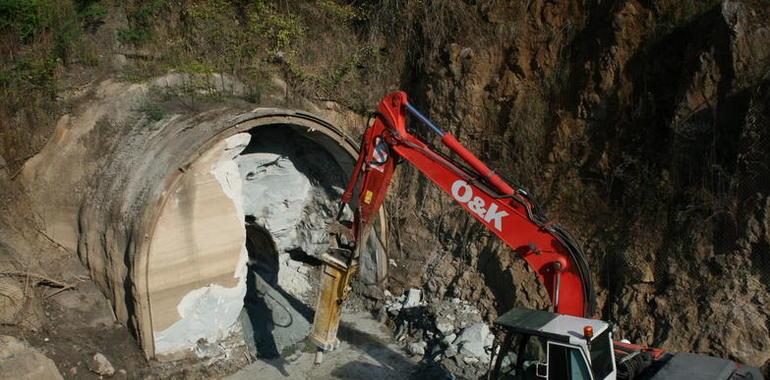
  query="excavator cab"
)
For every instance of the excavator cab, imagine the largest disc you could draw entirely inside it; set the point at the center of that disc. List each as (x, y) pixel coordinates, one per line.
(533, 344)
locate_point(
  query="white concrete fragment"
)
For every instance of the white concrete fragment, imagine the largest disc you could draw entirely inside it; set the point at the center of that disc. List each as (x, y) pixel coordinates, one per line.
(394, 307)
(416, 348)
(470, 360)
(413, 298)
(445, 327)
(472, 341)
(490, 340)
(506, 361)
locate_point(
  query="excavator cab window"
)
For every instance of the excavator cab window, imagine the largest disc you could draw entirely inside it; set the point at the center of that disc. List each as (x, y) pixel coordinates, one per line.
(566, 362)
(530, 357)
(601, 355)
(519, 358)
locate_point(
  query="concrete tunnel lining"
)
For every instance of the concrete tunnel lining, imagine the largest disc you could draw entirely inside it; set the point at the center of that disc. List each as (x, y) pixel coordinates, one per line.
(331, 139)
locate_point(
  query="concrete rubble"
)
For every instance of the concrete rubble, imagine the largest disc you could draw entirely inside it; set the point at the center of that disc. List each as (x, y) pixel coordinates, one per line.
(417, 348)
(413, 297)
(100, 365)
(448, 334)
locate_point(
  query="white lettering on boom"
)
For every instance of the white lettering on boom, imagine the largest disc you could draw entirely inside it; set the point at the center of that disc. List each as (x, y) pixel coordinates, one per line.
(463, 193)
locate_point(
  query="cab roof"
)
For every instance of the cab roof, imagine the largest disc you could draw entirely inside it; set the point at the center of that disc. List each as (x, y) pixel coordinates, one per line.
(552, 325)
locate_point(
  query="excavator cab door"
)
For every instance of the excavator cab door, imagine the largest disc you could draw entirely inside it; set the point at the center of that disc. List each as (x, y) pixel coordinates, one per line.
(519, 357)
(537, 344)
(567, 362)
(533, 357)
(558, 362)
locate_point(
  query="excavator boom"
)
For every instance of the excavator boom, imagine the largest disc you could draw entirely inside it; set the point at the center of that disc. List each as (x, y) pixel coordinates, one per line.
(507, 211)
(503, 208)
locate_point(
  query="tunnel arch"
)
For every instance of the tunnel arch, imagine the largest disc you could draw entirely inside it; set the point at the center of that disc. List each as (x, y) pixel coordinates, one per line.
(145, 305)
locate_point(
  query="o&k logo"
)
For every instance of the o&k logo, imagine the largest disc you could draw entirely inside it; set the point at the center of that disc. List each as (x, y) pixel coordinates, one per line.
(463, 193)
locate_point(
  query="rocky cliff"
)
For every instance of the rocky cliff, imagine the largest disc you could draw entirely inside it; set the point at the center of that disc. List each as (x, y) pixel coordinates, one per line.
(640, 125)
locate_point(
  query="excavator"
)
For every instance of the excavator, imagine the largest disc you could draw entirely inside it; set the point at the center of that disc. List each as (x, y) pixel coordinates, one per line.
(562, 343)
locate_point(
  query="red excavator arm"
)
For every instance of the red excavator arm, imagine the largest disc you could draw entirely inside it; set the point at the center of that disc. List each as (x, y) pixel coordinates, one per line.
(503, 208)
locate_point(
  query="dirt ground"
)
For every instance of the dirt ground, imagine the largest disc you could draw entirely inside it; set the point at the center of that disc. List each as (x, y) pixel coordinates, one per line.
(79, 322)
(366, 351)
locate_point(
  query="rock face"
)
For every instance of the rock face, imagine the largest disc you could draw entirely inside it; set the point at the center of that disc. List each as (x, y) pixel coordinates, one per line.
(291, 191)
(641, 126)
(20, 361)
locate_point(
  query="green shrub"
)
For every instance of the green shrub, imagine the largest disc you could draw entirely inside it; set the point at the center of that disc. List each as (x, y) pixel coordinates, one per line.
(280, 31)
(153, 110)
(26, 18)
(23, 20)
(342, 12)
(27, 79)
(38, 73)
(91, 13)
(40, 36)
(140, 23)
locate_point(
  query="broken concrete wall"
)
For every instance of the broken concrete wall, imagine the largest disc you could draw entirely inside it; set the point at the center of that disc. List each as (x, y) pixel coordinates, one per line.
(198, 254)
(100, 184)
